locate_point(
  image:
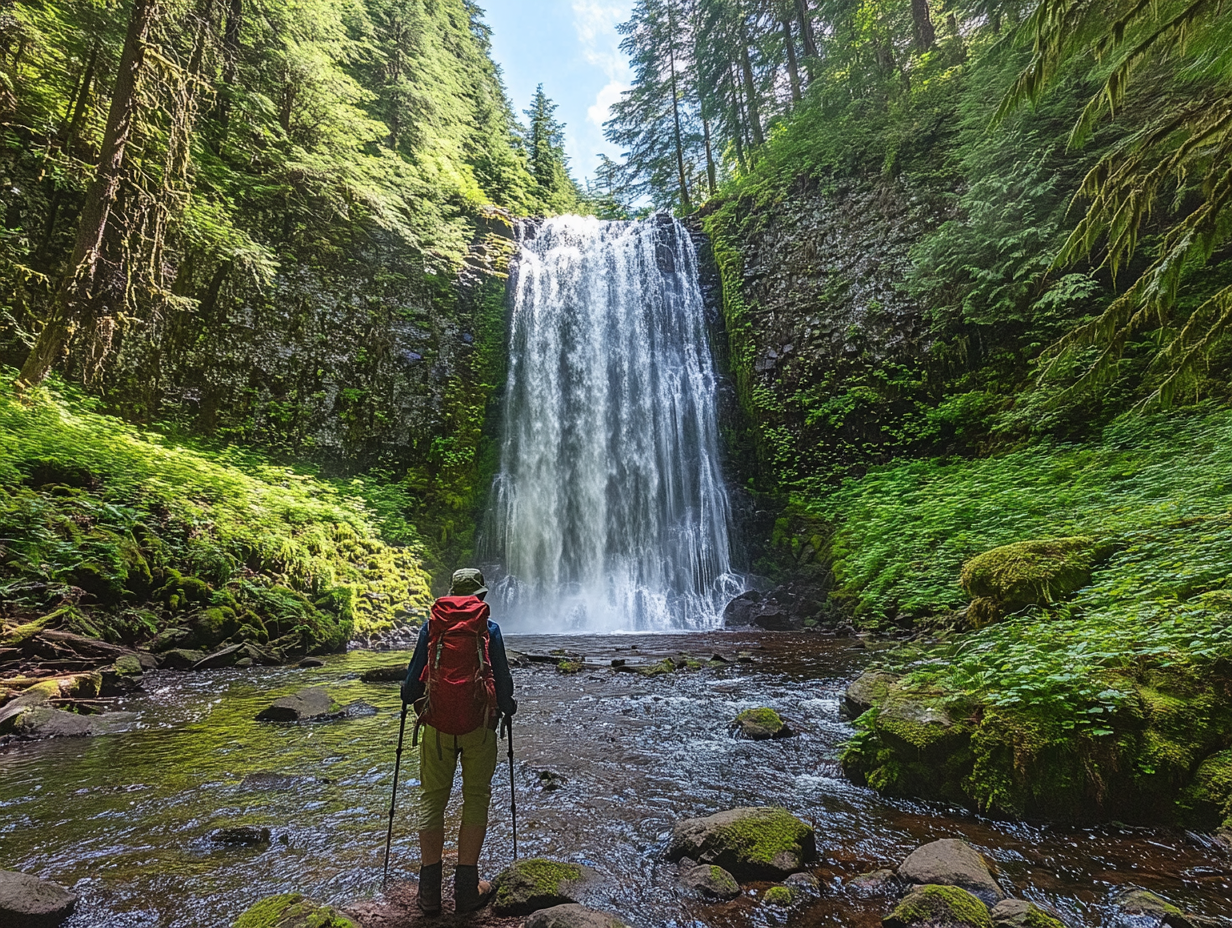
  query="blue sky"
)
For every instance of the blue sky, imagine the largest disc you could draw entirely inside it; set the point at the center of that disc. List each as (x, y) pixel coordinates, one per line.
(572, 48)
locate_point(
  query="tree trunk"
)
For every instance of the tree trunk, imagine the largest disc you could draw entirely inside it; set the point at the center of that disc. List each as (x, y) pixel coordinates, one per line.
(750, 90)
(806, 38)
(686, 206)
(793, 69)
(711, 178)
(77, 289)
(77, 110)
(925, 34)
(230, 68)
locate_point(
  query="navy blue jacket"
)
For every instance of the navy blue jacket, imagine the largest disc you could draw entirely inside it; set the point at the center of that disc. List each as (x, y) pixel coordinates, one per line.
(413, 687)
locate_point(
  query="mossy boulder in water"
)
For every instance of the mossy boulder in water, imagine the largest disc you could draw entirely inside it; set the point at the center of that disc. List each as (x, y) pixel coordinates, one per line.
(312, 703)
(759, 842)
(866, 691)
(537, 883)
(1141, 908)
(1018, 913)
(781, 897)
(760, 725)
(952, 862)
(1027, 573)
(292, 910)
(939, 907)
(710, 881)
(1207, 802)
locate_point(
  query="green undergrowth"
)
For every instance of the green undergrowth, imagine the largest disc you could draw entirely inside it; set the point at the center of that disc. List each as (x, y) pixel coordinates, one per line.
(123, 534)
(1104, 692)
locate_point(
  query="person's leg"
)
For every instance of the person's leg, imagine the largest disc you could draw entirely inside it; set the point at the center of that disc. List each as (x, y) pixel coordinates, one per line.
(437, 762)
(478, 765)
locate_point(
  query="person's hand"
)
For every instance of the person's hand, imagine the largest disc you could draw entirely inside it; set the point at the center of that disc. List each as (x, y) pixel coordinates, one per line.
(506, 726)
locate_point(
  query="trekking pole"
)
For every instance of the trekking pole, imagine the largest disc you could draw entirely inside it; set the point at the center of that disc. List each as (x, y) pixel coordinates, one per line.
(389, 836)
(513, 799)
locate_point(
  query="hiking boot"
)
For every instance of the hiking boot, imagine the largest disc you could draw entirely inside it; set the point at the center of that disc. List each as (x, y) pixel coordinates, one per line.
(429, 900)
(469, 892)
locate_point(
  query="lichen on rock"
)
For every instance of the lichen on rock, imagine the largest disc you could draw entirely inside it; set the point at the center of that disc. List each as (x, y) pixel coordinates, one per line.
(760, 725)
(292, 910)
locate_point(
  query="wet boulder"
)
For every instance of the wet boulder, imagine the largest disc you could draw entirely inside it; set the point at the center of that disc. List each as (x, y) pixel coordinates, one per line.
(1133, 907)
(538, 883)
(710, 881)
(758, 842)
(867, 690)
(882, 882)
(292, 910)
(571, 915)
(939, 907)
(313, 703)
(223, 657)
(760, 725)
(393, 673)
(182, 658)
(28, 902)
(1018, 913)
(37, 723)
(240, 836)
(952, 862)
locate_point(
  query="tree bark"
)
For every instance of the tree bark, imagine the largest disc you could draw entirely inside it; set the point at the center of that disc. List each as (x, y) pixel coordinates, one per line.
(230, 68)
(793, 68)
(925, 33)
(77, 289)
(750, 90)
(711, 178)
(806, 38)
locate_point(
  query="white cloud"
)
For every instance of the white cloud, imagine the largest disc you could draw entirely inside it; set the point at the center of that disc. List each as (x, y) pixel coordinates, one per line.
(599, 110)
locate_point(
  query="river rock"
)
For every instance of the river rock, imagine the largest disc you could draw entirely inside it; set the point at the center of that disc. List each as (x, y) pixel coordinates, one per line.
(308, 662)
(866, 691)
(936, 906)
(760, 725)
(223, 657)
(1019, 913)
(240, 836)
(39, 721)
(710, 881)
(538, 883)
(952, 862)
(758, 842)
(572, 915)
(312, 703)
(28, 902)
(394, 673)
(292, 910)
(882, 882)
(182, 658)
(1134, 907)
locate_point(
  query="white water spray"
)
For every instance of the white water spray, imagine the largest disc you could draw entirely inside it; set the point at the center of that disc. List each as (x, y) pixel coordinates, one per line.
(610, 511)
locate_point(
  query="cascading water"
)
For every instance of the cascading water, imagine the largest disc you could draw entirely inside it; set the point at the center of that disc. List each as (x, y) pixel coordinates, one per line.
(610, 510)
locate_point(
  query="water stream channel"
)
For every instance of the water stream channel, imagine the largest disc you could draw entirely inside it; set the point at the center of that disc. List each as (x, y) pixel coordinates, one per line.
(123, 818)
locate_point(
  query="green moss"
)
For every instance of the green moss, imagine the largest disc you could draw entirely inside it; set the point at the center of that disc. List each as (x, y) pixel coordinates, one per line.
(1038, 918)
(570, 666)
(1207, 801)
(779, 896)
(292, 910)
(667, 665)
(766, 718)
(534, 883)
(723, 881)
(761, 837)
(1028, 573)
(939, 905)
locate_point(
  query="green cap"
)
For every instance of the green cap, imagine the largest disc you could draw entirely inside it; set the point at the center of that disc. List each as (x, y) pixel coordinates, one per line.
(467, 582)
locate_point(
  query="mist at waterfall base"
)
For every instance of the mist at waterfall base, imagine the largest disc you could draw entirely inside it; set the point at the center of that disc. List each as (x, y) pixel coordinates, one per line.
(609, 513)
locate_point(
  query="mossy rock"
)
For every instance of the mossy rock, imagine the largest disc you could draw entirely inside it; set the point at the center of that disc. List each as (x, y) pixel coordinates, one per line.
(759, 842)
(667, 665)
(570, 667)
(1207, 801)
(869, 689)
(1019, 913)
(1028, 573)
(760, 725)
(939, 907)
(711, 881)
(537, 883)
(781, 897)
(292, 910)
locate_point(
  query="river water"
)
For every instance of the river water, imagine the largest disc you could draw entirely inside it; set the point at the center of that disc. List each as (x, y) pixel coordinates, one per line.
(123, 818)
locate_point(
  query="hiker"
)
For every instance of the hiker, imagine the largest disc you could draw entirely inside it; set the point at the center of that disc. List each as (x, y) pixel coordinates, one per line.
(460, 686)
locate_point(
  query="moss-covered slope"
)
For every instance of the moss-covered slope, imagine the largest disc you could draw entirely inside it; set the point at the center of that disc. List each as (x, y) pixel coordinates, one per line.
(124, 535)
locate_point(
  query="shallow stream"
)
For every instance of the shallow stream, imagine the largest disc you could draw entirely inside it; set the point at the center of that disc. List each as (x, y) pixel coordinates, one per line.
(122, 818)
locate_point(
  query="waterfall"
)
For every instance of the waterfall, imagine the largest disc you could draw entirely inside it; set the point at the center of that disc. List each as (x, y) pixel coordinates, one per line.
(610, 512)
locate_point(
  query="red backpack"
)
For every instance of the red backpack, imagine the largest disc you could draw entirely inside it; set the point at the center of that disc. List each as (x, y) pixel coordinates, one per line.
(459, 689)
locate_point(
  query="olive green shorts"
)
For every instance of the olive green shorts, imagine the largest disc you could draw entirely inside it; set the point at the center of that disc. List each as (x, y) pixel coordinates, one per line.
(477, 749)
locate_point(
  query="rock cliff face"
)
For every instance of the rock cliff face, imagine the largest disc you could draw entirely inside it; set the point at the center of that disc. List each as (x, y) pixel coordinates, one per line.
(826, 346)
